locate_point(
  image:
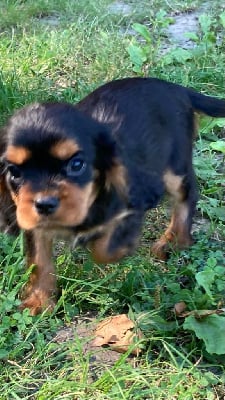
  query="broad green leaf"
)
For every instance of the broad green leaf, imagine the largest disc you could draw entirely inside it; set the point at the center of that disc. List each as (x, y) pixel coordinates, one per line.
(211, 330)
(219, 271)
(207, 125)
(205, 22)
(219, 145)
(148, 322)
(220, 284)
(191, 36)
(205, 279)
(137, 55)
(178, 55)
(143, 31)
(219, 212)
(222, 19)
(210, 38)
(211, 262)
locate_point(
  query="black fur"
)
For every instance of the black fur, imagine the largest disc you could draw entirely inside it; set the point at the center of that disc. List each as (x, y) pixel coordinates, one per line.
(135, 137)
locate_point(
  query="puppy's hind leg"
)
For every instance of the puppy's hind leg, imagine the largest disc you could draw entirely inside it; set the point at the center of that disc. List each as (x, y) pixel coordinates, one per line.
(40, 290)
(184, 195)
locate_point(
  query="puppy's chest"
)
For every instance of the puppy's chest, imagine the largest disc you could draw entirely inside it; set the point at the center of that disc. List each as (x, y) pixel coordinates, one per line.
(107, 212)
(81, 236)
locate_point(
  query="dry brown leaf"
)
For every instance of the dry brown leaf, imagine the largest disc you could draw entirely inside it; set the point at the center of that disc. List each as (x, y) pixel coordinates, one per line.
(179, 308)
(200, 314)
(118, 333)
(180, 311)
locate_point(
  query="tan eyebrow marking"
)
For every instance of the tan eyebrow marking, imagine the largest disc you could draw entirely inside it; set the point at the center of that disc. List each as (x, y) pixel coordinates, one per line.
(64, 149)
(17, 154)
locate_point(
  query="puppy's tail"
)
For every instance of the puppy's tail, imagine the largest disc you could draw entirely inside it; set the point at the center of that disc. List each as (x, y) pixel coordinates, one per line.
(207, 104)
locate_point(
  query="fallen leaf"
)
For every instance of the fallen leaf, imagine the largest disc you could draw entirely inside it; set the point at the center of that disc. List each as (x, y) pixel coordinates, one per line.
(200, 314)
(118, 333)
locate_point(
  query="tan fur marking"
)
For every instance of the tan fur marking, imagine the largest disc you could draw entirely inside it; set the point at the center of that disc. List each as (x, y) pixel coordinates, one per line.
(17, 154)
(74, 204)
(173, 184)
(176, 235)
(99, 247)
(39, 292)
(116, 177)
(14, 197)
(100, 253)
(177, 230)
(26, 216)
(64, 149)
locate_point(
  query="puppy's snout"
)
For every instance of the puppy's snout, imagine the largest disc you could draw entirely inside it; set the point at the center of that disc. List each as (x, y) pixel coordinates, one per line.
(46, 205)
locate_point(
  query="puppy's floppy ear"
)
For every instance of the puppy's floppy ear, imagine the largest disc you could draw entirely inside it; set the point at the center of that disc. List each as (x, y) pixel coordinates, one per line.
(3, 145)
(8, 222)
(146, 189)
(109, 163)
(106, 149)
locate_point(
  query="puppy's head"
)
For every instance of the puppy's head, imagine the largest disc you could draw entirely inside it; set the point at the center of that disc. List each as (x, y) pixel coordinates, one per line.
(54, 156)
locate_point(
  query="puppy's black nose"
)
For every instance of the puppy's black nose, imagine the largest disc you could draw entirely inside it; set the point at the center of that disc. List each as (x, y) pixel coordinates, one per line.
(46, 205)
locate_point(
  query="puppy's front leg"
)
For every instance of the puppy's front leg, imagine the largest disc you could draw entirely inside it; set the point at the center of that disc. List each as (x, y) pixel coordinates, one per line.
(41, 288)
(120, 239)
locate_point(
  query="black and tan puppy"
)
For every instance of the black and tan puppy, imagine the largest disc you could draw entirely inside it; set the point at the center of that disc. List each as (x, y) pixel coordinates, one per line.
(91, 172)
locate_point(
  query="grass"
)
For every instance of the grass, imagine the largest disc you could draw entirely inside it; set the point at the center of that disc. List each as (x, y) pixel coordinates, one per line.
(61, 50)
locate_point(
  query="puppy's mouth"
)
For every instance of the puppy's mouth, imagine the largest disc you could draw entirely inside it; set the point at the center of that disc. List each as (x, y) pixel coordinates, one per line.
(65, 208)
(49, 223)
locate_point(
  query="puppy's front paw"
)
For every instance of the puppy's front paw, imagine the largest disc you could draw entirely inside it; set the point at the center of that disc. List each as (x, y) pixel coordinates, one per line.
(37, 302)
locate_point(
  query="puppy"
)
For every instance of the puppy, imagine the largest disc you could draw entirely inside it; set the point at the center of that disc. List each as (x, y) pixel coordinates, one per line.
(91, 171)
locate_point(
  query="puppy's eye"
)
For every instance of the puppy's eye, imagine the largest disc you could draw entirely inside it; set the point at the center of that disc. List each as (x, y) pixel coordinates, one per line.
(14, 172)
(76, 166)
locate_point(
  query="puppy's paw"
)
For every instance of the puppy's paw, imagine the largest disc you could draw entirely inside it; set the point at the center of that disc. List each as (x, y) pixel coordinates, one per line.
(160, 249)
(37, 302)
(168, 243)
